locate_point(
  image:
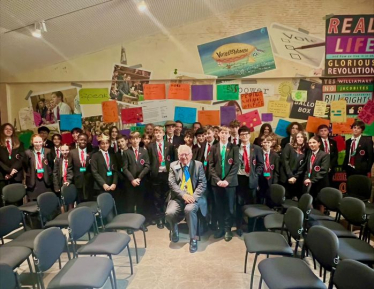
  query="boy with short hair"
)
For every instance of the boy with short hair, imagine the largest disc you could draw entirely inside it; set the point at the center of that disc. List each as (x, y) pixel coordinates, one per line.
(75, 132)
(328, 145)
(63, 170)
(234, 134)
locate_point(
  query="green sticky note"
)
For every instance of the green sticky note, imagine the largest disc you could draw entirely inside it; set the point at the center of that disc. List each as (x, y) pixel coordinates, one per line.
(369, 130)
(341, 156)
(139, 129)
(93, 95)
(25, 138)
(228, 92)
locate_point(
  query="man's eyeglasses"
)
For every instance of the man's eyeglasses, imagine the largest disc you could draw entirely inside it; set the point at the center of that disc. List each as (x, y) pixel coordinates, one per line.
(184, 155)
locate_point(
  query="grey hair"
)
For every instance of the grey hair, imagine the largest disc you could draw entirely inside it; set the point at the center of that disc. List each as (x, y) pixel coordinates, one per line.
(184, 148)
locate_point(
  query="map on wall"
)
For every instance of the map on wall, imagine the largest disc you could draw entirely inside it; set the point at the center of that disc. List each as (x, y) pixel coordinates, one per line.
(241, 55)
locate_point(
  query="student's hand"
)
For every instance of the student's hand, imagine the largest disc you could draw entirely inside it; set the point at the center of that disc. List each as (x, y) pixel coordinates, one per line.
(307, 182)
(292, 180)
(14, 171)
(188, 199)
(7, 177)
(106, 187)
(66, 184)
(329, 169)
(135, 183)
(112, 187)
(224, 184)
(219, 183)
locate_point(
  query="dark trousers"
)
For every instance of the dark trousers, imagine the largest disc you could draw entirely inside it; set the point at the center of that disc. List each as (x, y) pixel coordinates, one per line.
(243, 197)
(212, 214)
(161, 190)
(224, 200)
(134, 198)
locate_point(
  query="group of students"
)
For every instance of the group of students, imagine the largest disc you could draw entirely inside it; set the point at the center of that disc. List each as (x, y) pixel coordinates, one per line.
(135, 169)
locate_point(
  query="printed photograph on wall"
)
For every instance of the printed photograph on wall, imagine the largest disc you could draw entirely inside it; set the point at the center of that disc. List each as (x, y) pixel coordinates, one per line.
(127, 83)
(47, 106)
(94, 126)
(241, 55)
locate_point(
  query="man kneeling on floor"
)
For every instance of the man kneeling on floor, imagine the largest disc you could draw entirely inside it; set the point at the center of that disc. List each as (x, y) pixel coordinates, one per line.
(187, 184)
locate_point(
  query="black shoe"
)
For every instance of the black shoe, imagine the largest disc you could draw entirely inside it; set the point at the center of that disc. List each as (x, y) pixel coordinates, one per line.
(219, 234)
(175, 236)
(212, 227)
(160, 225)
(193, 246)
(239, 232)
(228, 236)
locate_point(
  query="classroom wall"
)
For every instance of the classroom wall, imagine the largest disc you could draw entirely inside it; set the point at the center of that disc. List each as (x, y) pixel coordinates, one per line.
(177, 48)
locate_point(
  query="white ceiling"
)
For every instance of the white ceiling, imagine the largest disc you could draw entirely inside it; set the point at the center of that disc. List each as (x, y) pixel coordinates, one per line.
(91, 29)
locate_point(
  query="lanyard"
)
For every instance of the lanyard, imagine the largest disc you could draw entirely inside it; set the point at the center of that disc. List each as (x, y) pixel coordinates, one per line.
(162, 150)
(83, 161)
(107, 160)
(39, 165)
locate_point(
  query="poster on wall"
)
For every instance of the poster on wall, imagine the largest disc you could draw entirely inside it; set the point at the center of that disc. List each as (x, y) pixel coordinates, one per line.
(241, 55)
(349, 45)
(127, 83)
(94, 126)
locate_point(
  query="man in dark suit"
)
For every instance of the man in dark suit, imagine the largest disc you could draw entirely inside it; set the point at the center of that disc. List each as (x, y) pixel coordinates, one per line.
(135, 168)
(161, 154)
(170, 137)
(358, 152)
(187, 184)
(43, 131)
(63, 170)
(104, 167)
(328, 145)
(81, 160)
(223, 169)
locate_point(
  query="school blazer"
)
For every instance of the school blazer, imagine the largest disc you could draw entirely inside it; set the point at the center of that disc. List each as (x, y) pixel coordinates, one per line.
(256, 164)
(274, 161)
(231, 164)
(99, 170)
(200, 157)
(81, 178)
(58, 177)
(119, 159)
(285, 141)
(333, 152)
(7, 165)
(29, 165)
(291, 163)
(169, 153)
(363, 156)
(133, 168)
(177, 140)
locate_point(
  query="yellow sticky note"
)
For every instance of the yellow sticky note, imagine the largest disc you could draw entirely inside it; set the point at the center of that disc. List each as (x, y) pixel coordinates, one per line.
(279, 108)
(338, 111)
(320, 108)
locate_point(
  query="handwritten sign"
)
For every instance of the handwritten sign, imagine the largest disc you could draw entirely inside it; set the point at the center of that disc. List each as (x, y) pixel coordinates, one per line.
(70, 121)
(314, 122)
(266, 89)
(281, 128)
(228, 92)
(320, 108)
(132, 115)
(343, 127)
(279, 108)
(154, 91)
(93, 95)
(252, 100)
(299, 95)
(202, 92)
(185, 114)
(139, 129)
(338, 111)
(179, 91)
(250, 119)
(66, 138)
(228, 114)
(110, 111)
(367, 112)
(267, 117)
(208, 117)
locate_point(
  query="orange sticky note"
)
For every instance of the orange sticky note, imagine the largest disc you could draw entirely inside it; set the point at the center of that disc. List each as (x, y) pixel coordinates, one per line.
(314, 122)
(179, 91)
(110, 111)
(208, 117)
(154, 91)
(343, 127)
(252, 100)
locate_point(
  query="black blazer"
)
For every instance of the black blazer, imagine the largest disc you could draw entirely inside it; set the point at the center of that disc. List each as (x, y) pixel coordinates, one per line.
(333, 152)
(99, 170)
(133, 168)
(73, 146)
(285, 141)
(274, 161)
(256, 164)
(169, 153)
(363, 156)
(29, 166)
(257, 141)
(200, 157)
(81, 178)
(177, 140)
(119, 159)
(231, 164)
(291, 162)
(15, 162)
(48, 144)
(58, 178)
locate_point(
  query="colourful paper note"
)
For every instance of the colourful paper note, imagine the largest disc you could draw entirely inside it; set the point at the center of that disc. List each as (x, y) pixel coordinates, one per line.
(25, 138)
(320, 108)
(67, 138)
(228, 114)
(341, 156)
(125, 132)
(250, 119)
(367, 112)
(343, 127)
(110, 111)
(95, 142)
(299, 95)
(93, 95)
(228, 92)
(279, 108)
(179, 91)
(369, 130)
(70, 121)
(139, 129)
(252, 100)
(154, 91)
(208, 117)
(340, 142)
(202, 92)
(314, 122)
(185, 114)
(338, 111)
(281, 128)
(132, 115)
(267, 117)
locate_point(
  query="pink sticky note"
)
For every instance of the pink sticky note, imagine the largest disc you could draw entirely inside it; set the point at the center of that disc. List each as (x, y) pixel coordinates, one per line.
(250, 119)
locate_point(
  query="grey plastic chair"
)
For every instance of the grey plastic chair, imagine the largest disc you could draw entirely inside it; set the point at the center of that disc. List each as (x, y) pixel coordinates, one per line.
(277, 194)
(271, 243)
(359, 186)
(330, 198)
(351, 274)
(130, 222)
(89, 272)
(81, 221)
(68, 195)
(8, 278)
(50, 211)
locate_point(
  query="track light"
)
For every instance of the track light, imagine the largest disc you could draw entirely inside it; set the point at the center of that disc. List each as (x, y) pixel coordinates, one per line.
(39, 27)
(142, 6)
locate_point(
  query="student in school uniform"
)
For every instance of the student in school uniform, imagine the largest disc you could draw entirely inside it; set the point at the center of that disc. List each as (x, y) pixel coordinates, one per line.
(223, 170)
(271, 170)
(358, 152)
(314, 171)
(11, 154)
(195, 127)
(292, 128)
(75, 132)
(200, 137)
(113, 134)
(328, 145)
(293, 156)
(122, 142)
(161, 154)
(63, 170)
(104, 167)
(234, 132)
(119, 194)
(146, 140)
(170, 136)
(81, 161)
(56, 150)
(37, 169)
(265, 130)
(43, 131)
(135, 168)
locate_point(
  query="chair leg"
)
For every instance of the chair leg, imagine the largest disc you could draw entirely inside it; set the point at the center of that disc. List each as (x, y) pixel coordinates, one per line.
(360, 232)
(136, 248)
(314, 263)
(29, 217)
(114, 273)
(29, 263)
(128, 250)
(254, 225)
(111, 280)
(260, 284)
(145, 239)
(253, 270)
(245, 262)
(324, 275)
(40, 279)
(320, 270)
(59, 263)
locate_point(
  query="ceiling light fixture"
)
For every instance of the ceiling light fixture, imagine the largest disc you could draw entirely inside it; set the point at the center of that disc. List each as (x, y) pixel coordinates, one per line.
(142, 6)
(39, 28)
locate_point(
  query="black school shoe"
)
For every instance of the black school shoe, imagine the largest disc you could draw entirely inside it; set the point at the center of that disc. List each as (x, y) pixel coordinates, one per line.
(193, 245)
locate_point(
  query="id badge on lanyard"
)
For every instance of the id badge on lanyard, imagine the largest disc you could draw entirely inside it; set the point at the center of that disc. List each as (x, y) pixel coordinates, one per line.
(109, 173)
(37, 161)
(163, 156)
